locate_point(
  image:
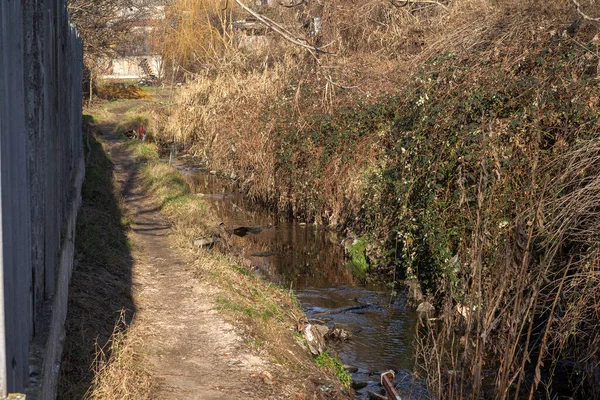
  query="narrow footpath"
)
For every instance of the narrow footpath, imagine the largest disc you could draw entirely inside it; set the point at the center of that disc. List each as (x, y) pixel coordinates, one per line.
(193, 352)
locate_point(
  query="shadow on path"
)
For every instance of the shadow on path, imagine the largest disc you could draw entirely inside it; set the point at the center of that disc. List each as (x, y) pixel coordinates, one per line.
(101, 283)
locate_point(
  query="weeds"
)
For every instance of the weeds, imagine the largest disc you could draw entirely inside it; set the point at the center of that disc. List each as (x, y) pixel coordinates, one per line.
(188, 212)
(332, 362)
(358, 260)
(118, 372)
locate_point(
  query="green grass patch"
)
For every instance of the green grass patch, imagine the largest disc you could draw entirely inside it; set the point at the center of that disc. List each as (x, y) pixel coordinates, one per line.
(141, 151)
(228, 304)
(169, 186)
(188, 213)
(242, 270)
(89, 119)
(132, 121)
(358, 260)
(335, 365)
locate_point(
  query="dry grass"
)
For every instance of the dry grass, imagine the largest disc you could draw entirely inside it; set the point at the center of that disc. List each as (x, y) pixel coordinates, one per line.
(532, 316)
(220, 116)
(119, 370)
(112, 91)
(521, 303)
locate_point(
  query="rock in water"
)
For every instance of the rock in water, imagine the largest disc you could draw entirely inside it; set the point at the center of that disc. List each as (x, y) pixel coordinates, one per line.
(245, 230)
(323, 329)
(357, 385)
(350, 369)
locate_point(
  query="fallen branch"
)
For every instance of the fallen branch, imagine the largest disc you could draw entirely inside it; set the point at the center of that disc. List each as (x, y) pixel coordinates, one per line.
(584, 15)
(282, 31)
(339, 310)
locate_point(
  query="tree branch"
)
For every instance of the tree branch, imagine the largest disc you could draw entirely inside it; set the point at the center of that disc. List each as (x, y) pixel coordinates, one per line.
(281, 30)
(584, 15)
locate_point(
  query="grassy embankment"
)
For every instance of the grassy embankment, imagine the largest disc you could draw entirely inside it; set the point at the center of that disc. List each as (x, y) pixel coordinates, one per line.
(466, 163)
(269, 315)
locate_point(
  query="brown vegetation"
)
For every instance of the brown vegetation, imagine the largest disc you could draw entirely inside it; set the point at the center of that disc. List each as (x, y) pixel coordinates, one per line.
(459, 138)
(114, 91)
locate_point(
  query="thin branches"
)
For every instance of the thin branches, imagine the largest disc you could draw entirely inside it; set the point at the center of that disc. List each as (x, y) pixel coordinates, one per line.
(287, 35)
(584, 15)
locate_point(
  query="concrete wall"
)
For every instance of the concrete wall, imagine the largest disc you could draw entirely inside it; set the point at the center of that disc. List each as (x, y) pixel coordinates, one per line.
(130, 67)
(41, 170)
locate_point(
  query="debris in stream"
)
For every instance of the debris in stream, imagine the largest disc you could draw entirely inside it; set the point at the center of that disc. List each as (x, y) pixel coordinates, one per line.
(387, 380)
(338, 334)
(254, 230)
(314, 338)
(245, 230)
(341, 310)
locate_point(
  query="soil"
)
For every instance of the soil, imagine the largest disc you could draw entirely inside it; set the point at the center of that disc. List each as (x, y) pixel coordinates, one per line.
(193, 351)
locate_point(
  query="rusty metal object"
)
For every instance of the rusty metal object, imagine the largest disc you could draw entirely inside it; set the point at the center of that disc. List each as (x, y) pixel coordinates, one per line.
(387, 380)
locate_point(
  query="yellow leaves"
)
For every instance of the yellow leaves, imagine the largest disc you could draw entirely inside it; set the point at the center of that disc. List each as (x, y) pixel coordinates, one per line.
(195, 31)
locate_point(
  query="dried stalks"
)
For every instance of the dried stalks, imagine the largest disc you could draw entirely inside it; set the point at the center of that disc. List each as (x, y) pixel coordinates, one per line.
(530, 318)
(119, 372)
(522, 311)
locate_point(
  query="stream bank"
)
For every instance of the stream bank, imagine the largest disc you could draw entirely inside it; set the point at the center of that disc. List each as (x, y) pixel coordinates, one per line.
(310, 260)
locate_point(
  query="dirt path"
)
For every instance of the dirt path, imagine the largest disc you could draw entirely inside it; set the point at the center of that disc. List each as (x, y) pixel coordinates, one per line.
(192, 350)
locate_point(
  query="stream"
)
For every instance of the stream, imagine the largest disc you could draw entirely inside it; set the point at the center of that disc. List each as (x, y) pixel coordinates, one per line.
(310, 260)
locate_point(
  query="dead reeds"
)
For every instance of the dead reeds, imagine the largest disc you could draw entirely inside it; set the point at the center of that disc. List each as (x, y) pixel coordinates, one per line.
(518, 303)
(119, 372)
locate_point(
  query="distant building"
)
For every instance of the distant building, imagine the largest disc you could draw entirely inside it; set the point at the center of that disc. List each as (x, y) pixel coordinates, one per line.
(137, 60)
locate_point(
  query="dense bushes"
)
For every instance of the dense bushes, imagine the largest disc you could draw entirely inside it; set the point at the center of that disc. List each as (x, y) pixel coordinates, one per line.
(475, 179)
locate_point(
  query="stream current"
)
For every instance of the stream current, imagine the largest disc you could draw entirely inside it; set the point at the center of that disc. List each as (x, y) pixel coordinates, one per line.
(310, 260)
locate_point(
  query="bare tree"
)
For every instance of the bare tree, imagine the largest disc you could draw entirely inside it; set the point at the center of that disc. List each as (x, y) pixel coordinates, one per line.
(105, 26)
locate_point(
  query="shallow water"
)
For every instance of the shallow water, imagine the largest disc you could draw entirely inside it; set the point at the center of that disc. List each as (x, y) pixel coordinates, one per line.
(310, 260)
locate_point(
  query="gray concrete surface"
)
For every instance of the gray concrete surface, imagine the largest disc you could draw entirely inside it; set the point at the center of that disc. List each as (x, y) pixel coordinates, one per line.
(41, 169)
